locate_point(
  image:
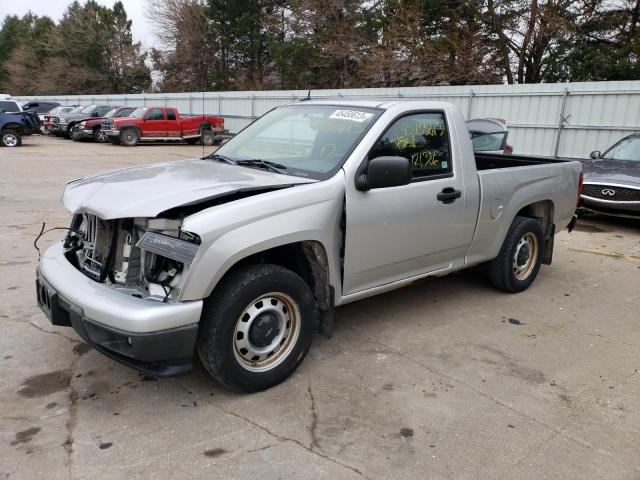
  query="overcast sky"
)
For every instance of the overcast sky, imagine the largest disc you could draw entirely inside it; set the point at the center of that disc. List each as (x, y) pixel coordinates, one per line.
(140, 27)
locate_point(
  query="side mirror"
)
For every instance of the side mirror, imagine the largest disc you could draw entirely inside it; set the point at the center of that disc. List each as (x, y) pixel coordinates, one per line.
(595, 154)
(382, 172)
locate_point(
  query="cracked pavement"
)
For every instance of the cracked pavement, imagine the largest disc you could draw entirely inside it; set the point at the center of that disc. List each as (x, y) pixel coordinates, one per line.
(446, 379)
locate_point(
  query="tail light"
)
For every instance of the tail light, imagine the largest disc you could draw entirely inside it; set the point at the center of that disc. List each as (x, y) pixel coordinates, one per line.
(580, 184)
(508, 149)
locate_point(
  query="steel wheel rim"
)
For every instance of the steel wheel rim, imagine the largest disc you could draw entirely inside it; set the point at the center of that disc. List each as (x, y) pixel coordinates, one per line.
(258, 358)
(10, 140)
(525, 256)
(101, 136)
(129, 137)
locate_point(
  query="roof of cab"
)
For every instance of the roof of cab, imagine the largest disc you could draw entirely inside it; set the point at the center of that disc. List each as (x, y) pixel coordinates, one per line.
(383, 104)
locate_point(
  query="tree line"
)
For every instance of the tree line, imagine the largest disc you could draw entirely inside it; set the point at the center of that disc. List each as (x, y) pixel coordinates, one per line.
(301, 44)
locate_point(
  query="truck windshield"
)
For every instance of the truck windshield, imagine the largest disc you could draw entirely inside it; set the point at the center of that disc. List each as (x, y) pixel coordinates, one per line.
(308, 140)
(626, 149)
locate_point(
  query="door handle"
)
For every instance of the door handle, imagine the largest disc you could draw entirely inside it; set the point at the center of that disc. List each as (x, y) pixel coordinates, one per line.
(449, 195)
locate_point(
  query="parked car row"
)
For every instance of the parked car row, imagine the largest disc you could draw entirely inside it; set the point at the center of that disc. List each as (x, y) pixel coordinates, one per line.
(130, 125)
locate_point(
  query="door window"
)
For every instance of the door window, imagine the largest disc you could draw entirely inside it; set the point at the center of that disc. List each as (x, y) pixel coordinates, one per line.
(171, 114)
(124, 112)
(103, 110)
(155, 114)
(423, 139)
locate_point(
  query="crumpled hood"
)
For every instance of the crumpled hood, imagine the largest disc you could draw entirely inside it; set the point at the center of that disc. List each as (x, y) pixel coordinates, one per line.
(147, 190)
(602, 171)
(72, 117)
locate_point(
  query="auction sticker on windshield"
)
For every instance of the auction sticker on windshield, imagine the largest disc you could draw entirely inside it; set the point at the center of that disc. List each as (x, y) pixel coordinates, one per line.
(353, 115)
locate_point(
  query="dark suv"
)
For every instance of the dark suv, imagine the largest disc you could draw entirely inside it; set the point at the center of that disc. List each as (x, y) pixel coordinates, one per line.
(66, 122)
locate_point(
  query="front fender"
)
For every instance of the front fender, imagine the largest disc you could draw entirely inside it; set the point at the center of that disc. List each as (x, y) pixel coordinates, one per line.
(236, 230)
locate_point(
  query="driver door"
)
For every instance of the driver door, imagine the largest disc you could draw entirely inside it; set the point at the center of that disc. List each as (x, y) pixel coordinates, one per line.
(399, 232)
(154, 124)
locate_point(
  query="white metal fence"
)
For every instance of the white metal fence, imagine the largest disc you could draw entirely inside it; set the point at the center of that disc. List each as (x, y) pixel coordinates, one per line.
(562, 119)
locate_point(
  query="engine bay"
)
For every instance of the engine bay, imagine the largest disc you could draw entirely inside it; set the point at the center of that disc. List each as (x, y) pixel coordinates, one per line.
(143, 257)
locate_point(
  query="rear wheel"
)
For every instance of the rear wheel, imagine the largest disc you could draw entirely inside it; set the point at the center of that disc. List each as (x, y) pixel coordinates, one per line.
(130, 137)
(207, 138)
(256, 327)
(519, 260)
(10, 138)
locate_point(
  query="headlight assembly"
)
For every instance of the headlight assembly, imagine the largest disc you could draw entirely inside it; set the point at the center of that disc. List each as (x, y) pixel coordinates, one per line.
(169, 247)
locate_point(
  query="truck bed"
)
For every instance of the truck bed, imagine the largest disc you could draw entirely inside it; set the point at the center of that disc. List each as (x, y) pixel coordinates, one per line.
(491, 161)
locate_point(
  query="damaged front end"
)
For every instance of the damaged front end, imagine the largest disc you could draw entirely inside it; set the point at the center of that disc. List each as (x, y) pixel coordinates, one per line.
(147, 258)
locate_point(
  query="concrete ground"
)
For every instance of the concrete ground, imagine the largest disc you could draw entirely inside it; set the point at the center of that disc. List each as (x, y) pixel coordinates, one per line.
(448, 378)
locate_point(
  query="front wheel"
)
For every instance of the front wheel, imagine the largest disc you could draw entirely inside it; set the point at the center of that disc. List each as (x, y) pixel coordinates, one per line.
(99, 135)
(129, 137)
(517, 265)
(256, 327)
(10, 138)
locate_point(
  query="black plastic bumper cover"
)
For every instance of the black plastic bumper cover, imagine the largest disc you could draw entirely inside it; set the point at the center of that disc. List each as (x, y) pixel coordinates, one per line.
(163, 353)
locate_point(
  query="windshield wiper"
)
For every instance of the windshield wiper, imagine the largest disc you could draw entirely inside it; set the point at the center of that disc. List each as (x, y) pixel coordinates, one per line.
(221, 158)
(266, 164)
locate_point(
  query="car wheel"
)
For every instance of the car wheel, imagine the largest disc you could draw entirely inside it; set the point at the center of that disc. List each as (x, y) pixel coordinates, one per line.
(11, 138)
(130, 137)
(207, 138)
(519, 260)
(99, 136)
(256, 327)
(69, 131)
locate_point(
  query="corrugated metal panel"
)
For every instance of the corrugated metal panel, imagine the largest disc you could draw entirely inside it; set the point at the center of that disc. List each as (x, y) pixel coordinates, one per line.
(596, 114)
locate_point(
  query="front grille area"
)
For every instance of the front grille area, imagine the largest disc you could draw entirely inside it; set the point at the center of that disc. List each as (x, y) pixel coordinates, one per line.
(611, 193)
(106, 125)
(98, 236)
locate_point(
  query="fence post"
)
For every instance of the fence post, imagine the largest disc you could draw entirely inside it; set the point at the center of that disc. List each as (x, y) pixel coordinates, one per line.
(190, 103)
(253, 106)
(471, 95)
(561, 120)
(220, 104)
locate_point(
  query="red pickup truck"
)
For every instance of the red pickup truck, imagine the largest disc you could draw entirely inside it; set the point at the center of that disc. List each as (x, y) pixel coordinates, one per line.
(162, 123)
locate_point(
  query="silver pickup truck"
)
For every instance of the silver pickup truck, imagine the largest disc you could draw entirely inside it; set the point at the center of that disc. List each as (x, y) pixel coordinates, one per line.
(242, 255)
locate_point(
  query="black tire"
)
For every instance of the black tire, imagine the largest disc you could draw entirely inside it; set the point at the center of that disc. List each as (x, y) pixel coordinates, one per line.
(129, 137)
(207, 138)
(518, 263)
(10, 138)
(225, 311)
(114, 140)
(99, 136)
(69, 132)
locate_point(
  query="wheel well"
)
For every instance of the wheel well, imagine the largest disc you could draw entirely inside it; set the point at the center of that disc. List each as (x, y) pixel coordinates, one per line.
(129, 127)
(308, 259)
(206, 126)
(542, 211)
(13, 126)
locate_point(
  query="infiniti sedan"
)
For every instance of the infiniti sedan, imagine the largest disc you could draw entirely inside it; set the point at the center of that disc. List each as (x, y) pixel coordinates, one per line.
(612, 179)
